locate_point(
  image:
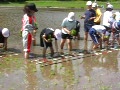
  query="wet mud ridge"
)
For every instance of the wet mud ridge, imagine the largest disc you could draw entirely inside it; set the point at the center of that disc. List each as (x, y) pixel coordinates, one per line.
(75, 56)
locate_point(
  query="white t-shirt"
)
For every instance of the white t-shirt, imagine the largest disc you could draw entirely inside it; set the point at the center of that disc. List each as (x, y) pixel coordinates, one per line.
(107, 16)
(117, 18)
(99, 28)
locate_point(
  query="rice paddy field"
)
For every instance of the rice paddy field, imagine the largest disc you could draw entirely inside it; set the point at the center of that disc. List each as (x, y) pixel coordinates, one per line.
(87, 70)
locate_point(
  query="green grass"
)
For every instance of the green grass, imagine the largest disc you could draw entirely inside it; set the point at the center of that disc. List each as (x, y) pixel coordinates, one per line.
(61, 4)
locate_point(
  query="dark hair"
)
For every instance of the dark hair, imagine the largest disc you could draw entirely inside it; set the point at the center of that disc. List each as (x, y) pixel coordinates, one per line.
(109, 9)
(27, 10)
(32, 6)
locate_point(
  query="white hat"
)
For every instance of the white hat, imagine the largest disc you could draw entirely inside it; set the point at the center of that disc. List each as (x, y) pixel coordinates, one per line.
(89, 3)
(94, 5)
(51, 29)
(110, 6)
(58, 34)
(5, 32)
(71, 16)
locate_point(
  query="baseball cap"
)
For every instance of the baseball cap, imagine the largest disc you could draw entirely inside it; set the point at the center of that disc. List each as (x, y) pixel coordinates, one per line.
(94, 5)
(32, 6)
(71, 16)
(89, 3)
(5, 32)
(58, 34)
(110, 6)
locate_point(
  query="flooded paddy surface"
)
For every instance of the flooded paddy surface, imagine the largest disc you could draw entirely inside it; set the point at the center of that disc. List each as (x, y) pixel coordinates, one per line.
(85, 71)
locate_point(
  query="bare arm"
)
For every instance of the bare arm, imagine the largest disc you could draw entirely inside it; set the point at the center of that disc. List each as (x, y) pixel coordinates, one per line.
(82, 17)
(56, 45)
(66, 30)
(5, 43)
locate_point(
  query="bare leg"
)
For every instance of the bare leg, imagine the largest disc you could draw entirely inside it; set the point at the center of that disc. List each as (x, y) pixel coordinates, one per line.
(44, 52)
(95, 46)
(118, 40)
(100, 41)
(78, 36)
(34, 37)
(26, 55)
(69, 42)
(5, 44)
(86, 36)
(52, 51)
(62, 45)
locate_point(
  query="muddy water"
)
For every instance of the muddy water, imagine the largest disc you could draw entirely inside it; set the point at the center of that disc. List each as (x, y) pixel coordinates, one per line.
(87, 71)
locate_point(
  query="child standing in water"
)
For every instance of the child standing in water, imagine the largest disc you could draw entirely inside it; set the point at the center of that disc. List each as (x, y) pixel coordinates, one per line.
(28, 26)
(89, 17)
(46, 36)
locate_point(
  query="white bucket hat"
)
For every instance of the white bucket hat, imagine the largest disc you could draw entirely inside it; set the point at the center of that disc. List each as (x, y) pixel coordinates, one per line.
(110, 6)
(94, 5)
(5, 32)
(89, 3)
(71, 16)
(58, 34)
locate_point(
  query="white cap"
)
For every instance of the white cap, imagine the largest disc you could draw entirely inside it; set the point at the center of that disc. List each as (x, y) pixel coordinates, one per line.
(108, 25)
(71, 16)
(5, 32)
(110, 6)
(51, 29)
(89, 3)
(94, 5)
(58, 34)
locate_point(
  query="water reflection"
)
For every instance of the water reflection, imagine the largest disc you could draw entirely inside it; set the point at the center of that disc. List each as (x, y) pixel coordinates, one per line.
(31, 79)
(108, 62)
(84, 72)
(57, 76)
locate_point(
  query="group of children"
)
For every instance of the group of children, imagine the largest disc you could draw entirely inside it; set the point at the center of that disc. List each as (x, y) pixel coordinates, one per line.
(101, 33)
(70, 28)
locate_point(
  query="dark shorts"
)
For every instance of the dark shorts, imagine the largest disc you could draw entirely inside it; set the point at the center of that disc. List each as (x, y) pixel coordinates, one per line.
(2, 39)
(66, 36)
(87, 27)
(45, 44)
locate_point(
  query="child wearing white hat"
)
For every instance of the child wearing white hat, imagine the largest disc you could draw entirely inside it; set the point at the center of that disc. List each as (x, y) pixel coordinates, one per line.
(46, 36)
(68, 24)
(98, 33)
(4, 34)
(88, 17)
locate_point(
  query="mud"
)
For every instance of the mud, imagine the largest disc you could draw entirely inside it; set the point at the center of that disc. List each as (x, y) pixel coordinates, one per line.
(86, 71)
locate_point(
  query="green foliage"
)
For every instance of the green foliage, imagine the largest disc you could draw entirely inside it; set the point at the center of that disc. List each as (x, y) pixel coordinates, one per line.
(14, 0)
(52, 0)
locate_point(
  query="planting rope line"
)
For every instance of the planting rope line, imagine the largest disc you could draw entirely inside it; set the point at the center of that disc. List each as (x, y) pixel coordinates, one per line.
(4, 54)
(65, 58)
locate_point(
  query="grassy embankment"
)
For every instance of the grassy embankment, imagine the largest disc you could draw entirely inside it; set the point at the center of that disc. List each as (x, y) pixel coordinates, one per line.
(60, 4)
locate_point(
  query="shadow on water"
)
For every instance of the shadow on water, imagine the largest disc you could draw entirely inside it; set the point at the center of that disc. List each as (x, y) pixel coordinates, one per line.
(85, 71)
